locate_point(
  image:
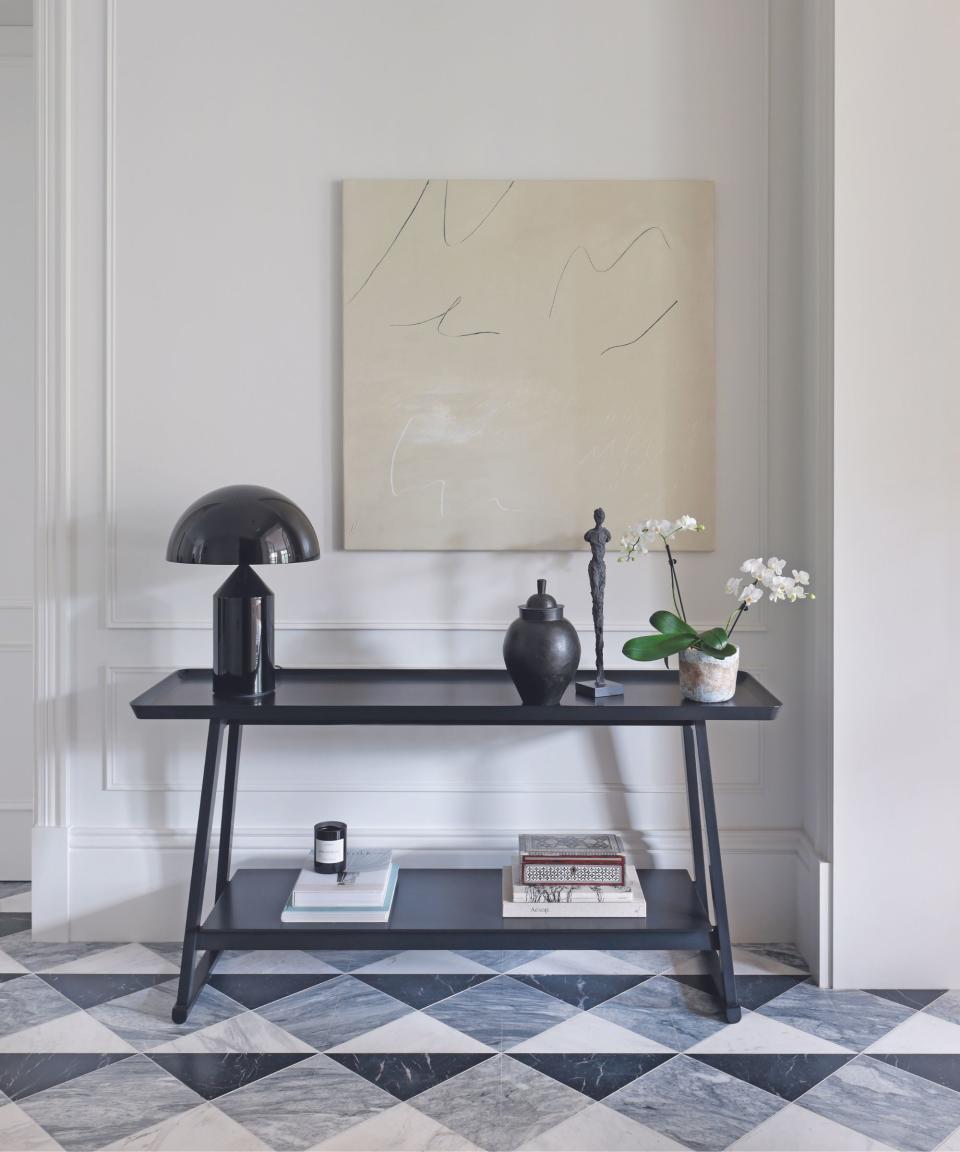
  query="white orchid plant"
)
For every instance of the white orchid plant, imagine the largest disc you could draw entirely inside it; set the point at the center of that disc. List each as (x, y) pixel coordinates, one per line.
(674, 632)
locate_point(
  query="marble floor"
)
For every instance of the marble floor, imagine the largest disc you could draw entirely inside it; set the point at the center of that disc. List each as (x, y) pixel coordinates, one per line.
(442, 1051)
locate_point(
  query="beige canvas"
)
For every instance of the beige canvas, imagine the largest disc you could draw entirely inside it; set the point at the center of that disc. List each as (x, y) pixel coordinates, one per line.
(516, 353)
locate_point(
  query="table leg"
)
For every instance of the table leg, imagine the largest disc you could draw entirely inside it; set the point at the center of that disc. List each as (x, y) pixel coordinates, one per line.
(726, 985)
(192, 979)
(693, 803)
(234, 733)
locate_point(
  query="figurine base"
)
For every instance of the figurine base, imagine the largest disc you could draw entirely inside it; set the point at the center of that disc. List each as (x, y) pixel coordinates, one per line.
(597, 691)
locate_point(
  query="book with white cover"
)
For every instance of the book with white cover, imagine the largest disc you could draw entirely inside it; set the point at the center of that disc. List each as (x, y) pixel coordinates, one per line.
(335, 914)
(364, 881)
(616, 910)
(570, 844)
(576, 893)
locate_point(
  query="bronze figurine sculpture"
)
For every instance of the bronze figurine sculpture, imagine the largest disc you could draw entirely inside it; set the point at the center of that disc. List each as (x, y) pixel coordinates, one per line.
(598, 537)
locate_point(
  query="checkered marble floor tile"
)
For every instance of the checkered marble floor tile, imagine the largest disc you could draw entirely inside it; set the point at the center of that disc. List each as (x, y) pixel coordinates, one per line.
(558, 1051)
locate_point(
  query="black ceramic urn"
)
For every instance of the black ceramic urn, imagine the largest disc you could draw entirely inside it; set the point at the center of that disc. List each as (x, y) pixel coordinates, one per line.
(541, 650)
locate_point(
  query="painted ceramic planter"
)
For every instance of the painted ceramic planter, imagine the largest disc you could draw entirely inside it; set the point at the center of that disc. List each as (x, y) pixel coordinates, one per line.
(706, 679)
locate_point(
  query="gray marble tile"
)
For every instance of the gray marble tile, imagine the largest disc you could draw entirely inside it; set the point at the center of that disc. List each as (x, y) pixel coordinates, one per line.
(849, 1017)
(500, 1105)
(664, 1010)
(334, 1012)
(652, 960)
(280, 962)
(26, 1001)
(143, 1018)
(782, 953)
(345, 960)
(946, 1007)
(37, 955)
(110, 1104)
(501, 1012)
(886, 1103)
(169, 950)
(13, 887)
(305, 1104)
(701, 1107)
(500, 960)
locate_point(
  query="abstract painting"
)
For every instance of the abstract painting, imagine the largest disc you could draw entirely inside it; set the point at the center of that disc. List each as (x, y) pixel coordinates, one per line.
(517, 352)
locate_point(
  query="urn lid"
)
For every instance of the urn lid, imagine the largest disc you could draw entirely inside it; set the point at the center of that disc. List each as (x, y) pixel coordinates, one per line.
(541, 605)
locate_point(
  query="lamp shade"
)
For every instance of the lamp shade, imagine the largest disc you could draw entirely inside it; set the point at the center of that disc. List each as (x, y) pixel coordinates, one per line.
(243, 524)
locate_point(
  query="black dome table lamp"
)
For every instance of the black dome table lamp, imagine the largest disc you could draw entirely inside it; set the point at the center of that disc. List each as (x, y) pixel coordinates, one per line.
(243, 525)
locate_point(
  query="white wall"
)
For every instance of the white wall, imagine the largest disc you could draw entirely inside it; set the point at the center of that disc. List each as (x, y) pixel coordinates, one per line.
(205, 226)
(897, 787)
(16, 447)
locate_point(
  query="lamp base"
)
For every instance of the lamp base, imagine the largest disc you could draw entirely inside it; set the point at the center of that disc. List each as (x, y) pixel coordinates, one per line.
(243, 636)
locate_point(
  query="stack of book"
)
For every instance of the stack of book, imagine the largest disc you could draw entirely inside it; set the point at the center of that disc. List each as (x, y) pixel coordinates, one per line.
(362, 894)
(564, 874)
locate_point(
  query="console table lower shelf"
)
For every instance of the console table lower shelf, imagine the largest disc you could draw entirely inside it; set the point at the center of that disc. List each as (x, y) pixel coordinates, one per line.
(453, 908)
(444, 908)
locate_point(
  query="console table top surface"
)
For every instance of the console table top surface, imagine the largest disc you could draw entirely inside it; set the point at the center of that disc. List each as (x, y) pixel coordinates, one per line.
(431, 696)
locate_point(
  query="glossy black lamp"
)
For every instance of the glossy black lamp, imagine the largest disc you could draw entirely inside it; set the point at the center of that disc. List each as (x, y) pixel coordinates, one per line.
(243, 525)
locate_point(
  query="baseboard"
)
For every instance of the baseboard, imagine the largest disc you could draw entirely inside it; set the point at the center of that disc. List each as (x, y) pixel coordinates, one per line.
(16, 823)
(130, 884)
(813, 910)
(51, 883)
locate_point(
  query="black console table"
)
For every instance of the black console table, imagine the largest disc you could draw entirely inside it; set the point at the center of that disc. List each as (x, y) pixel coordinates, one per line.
(447, 908)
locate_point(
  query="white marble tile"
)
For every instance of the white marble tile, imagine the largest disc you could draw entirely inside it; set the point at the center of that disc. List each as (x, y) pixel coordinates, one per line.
(19, 902)
(757, 1033)
(921, 1033)
(574, 963)
(600, 1129)
(588, 1033)
(400, 1129)
(128, 959)
(248, 1032)
(278, 963)
(20, 1133)
(796, 1130)
(8, 965)
(414, 1032)
(203, 1129)
(75, 1032)
(419, 961)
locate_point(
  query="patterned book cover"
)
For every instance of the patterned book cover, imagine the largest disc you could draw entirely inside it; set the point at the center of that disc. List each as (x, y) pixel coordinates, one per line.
(572, 870)
(575, 893)
(570, 844)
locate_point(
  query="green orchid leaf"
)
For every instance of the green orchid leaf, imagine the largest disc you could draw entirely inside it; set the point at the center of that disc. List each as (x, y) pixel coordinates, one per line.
(713, 638)
(671, 625)
(719, 653)
(656, 647)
